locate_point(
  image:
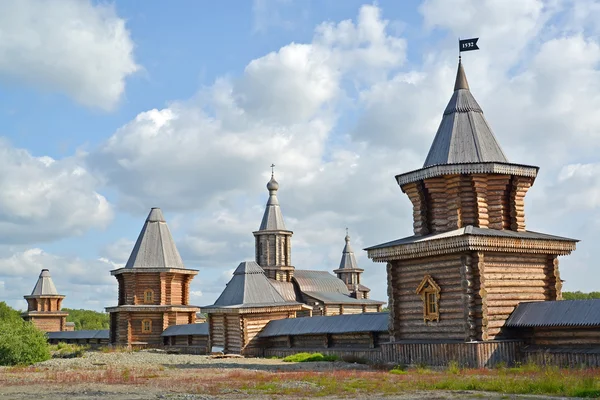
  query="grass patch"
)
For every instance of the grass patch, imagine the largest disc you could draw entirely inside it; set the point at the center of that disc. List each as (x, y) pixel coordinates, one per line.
(310, 357)
(67, 350)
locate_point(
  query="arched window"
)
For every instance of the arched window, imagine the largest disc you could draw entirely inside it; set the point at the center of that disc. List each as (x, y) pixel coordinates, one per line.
(430, 294)
(146, 326)
(149, 296)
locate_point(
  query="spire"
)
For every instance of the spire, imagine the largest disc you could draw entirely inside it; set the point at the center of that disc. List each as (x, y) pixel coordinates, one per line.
(461, 78)
(348, 259)
(272, 218)
(44, 285)
(155, 247)
(464, 135)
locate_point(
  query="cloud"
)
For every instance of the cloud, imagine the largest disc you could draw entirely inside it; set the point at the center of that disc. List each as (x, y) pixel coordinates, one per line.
(46, 199)
(69, 46)
(20, 270)
(118, 251)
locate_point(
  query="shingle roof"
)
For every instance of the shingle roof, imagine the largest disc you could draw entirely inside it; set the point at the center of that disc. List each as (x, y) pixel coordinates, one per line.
(464, 135)
(44, 285)
(155, 247)
(186, 329)
(249, 287)
(272, 218)
(87, 334)
(339, 298)
(319, 281)
(555, 313)
(471, 230)
(367, 322)
(348, 260)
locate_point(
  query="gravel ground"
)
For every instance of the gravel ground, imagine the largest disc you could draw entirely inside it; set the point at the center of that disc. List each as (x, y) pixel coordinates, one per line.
(176, 369)
(154, 357)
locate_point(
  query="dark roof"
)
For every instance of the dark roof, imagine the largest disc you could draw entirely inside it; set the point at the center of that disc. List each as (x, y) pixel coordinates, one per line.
(71, 335)
(555, 313)
(249, 287)
(471, 230)
(367, 322)
(339, 298)
(155, 247)
(464, 135)
(319, 281)
(186, 330)
(44, 285)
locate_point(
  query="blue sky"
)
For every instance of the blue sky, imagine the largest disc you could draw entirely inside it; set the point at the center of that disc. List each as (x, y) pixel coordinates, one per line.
(108, 109)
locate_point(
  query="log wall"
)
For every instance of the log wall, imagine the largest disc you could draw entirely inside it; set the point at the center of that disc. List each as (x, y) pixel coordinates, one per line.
(450, 202)
(508, 279)
(136, 327)
(407, 315)
(252, 324)
(49, 324)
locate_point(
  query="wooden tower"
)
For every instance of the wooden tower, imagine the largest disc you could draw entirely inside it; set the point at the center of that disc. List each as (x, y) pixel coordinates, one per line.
(153, 288)
(273, 241)
(471, 261)
(350, 273)
(44, 305)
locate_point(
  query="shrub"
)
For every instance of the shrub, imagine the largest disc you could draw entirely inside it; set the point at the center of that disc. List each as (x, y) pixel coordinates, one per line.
(310, 357)
(21, 343)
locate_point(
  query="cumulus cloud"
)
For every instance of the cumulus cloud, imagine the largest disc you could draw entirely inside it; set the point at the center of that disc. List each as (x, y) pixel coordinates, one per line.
(69, 46)
(46, 199)
(71, 277)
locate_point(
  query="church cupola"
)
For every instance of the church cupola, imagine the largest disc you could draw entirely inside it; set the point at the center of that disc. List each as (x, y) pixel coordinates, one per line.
(273, 240)
(349, 272)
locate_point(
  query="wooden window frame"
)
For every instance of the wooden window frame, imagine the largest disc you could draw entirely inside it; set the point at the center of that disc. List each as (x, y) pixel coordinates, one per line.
(429, 291)
(144, 330)
(146, 293)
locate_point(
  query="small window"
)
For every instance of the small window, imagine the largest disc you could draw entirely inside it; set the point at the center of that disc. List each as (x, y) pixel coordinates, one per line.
(146, 326)
(430, 294)
(148, 296)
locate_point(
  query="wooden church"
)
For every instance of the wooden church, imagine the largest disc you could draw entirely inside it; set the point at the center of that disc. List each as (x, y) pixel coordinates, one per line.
(470, 261)
(44, 305)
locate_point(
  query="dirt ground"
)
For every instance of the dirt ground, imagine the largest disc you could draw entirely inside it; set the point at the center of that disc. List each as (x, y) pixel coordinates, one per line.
(154, 375)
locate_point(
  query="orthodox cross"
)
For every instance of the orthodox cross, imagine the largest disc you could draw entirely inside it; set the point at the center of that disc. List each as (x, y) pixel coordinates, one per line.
(272, 170)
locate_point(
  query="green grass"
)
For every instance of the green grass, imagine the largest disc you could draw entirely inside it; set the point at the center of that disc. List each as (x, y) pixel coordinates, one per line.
(310, 357)
(66, 350)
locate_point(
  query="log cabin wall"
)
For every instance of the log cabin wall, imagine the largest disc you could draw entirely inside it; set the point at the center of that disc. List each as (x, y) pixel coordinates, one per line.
(508, 279)
(451, 202)
(135, 321)
(141, 283)
(407, 306)
(252, 324)
(570, 336)
(49, 323)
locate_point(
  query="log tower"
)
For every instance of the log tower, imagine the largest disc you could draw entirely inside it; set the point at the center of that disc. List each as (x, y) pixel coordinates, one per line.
(471, 261)
(153, 288)
(44, 305)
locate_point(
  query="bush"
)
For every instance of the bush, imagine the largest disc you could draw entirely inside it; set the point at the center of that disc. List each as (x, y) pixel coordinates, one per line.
(21, 343)
(310, 357)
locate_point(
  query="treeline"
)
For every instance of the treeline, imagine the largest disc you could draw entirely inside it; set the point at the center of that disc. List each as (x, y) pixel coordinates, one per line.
(87, 319)
(580, 295)
(21, 343)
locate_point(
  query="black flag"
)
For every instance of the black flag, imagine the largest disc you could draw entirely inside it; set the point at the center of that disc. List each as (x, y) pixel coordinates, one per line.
(468, 45)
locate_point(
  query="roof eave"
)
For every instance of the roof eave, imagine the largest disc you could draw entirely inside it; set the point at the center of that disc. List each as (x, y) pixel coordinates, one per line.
(492, 167)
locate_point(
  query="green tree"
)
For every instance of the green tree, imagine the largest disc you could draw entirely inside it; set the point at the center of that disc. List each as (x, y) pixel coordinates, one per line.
(8, 314)
(578, 295)
(87, 319)
(21, 343)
